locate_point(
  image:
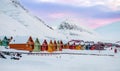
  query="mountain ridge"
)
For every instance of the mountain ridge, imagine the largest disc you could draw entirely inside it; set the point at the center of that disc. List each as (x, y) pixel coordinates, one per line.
(13, 10)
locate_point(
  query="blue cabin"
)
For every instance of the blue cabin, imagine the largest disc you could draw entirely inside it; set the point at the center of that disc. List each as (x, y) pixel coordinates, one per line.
(5, 41)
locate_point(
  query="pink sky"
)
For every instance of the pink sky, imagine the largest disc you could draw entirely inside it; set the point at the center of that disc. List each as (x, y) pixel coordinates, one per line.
(95, 23)
(93, 13)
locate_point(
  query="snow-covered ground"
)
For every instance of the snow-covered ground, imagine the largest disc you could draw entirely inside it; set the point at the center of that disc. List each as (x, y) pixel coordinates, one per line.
(64, 62)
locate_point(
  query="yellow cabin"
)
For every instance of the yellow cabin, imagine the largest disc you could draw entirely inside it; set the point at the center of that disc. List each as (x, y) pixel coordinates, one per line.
(78, 47)
(50, 46)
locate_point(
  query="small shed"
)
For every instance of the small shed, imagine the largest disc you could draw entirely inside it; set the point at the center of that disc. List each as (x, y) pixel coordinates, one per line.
(24, 45)
(99, 46)
(44, 46)
(5, 41)
(67, 46)
(73, 44)
(50, 46)
(30, 42)
(37, 46)
(55, 45)
(78, 46)
(59, 46)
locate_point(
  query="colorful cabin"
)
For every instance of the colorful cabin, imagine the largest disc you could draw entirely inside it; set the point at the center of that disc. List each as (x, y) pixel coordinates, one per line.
(37, 46)
(55, 45)
(78, 46)
(5, 42)
(92, 47)
(99, 46)
(87, 45)
(59, 46)
(44, 46)
(27, 46)
(50, 46)
(82, 45)
(30, 42)
(73, 44)
(67, 46)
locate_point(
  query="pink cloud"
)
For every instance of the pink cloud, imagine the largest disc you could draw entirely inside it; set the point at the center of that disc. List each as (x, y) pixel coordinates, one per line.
(95, 23)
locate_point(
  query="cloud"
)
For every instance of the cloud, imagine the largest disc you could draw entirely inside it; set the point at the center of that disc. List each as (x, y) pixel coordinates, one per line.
(95, 14)
(96, 23)
(113, 4)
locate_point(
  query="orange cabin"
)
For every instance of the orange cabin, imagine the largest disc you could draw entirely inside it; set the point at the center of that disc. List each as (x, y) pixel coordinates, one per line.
(28, 46)
(21, 47)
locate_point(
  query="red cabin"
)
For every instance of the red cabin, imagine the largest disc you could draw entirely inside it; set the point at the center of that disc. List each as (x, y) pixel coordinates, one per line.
(73, 43)
(44, 46)
(61, 45)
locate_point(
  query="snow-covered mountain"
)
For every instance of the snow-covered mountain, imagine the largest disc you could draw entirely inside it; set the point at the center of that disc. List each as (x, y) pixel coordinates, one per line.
(15, 20)
(74, 30)
(110, 31)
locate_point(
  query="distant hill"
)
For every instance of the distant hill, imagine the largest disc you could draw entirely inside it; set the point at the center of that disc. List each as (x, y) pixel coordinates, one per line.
(74, 30)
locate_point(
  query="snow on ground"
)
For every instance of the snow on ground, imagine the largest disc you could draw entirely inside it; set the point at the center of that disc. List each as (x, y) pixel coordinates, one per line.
(64, 62)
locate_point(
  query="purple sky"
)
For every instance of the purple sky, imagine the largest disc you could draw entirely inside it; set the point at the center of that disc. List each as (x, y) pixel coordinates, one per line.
(93, 13)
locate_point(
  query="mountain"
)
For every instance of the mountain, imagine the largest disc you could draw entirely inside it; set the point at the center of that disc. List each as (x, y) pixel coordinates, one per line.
(110, 31)
(15, 20)
(74, 30)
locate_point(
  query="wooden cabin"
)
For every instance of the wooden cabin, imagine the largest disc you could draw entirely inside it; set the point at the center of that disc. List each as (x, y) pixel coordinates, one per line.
(50, 46)
(27, 46)
(37, 46)
(61, 45)
(5, 41)
(55, 45)
(44, 46)
(99, 46)
(74, 44)
(59, 48)
(66, 46)
(78, 46)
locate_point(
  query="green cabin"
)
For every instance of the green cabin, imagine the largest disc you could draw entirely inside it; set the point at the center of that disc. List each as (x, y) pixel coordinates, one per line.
(37, 46)
(5, 41)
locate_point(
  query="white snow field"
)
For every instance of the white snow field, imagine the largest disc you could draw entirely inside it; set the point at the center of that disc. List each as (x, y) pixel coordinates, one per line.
(64, 62)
